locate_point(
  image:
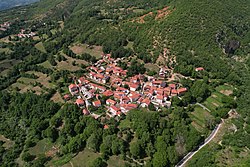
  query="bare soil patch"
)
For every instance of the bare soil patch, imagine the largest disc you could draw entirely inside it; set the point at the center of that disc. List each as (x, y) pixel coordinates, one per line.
(226, 92)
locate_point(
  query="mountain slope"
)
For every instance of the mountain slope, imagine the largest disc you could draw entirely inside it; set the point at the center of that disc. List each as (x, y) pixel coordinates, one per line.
(178, 35)
(6, 4)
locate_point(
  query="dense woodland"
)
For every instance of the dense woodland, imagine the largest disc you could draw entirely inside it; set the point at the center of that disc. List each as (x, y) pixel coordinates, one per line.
(192, 33)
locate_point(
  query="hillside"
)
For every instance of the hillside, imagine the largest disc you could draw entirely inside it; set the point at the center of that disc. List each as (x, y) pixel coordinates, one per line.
(125, 83)
(6, 4)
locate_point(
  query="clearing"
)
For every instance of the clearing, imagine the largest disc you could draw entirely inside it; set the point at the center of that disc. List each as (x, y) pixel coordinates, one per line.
(83, 159)
(199, 117)
(7, 142)
(84, 48)
(39, 46)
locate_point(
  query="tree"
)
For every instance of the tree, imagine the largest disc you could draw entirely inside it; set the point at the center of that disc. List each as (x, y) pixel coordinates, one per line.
(93, 142)
(135, 149)
(160, 159)
(98, 162)
(27, 157)
(51, 133)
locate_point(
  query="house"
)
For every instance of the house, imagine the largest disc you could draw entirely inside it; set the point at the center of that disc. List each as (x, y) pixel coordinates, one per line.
(145, 102)
(199, 69)
(105, 127)
(101, 88)
(181, 91)
(157, 83)
(108, 93)
(127, 107)
(105, 79)
(97, 103)
(134, 96)
(80, 102)
(122, 89)
(172, 86)
(119, 95)
(81, 80)
(73, 89)
(110, 102)
(66, 97)
(159, 99)
(85, 112)
(133, 87)
(114, 110)
(124, 100)
(174, 92)
(92, 75)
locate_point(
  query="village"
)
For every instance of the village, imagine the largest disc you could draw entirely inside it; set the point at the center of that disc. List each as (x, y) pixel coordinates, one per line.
(108, 86)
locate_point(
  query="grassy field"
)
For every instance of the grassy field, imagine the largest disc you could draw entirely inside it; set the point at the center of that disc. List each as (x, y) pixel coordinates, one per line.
(152, 67)
(41, 147)
(40, 47)
(115, 161)
(6, 50)
(129, 46)
(225, 89)
(67, 65)
(83, 159)
(199, 117)
(25, 84)
(46, 64)
(57, 98)
(7, 64)
(7, 142)
(83, 48)
(214, 101)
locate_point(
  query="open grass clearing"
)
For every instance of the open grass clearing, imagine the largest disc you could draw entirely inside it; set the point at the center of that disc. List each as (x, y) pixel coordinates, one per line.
(84, 48)
(5, 50)
(152, 67)
(68, 64)
(46, 64)
(115, 161)
(7, 142)
(225, 89)
(214, 101)
(199, 117)
(83, 159)
(42, 147)
(129, 45)
(40, 46)
(57, 98)
(8, 63)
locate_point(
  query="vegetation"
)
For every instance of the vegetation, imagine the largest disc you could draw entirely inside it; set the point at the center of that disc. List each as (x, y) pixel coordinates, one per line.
(185, 34)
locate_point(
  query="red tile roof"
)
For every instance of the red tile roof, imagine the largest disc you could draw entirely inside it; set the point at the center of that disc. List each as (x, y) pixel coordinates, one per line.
(79, 101)
(106, 127)
(97, 103)
(160, 97)
(85, 112)
(110, 101)
(174, 91)
(199, 69)
(181, 90)
(115, 108)
(108, 93)
(146, 101)
(71, 86)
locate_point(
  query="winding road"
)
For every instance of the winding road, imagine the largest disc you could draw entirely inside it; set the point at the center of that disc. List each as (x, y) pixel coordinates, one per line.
(183, 162)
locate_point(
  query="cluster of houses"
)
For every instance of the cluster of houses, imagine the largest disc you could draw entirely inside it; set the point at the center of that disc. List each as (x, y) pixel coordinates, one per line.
(106, 80)
(5, 26)
(22, 34)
